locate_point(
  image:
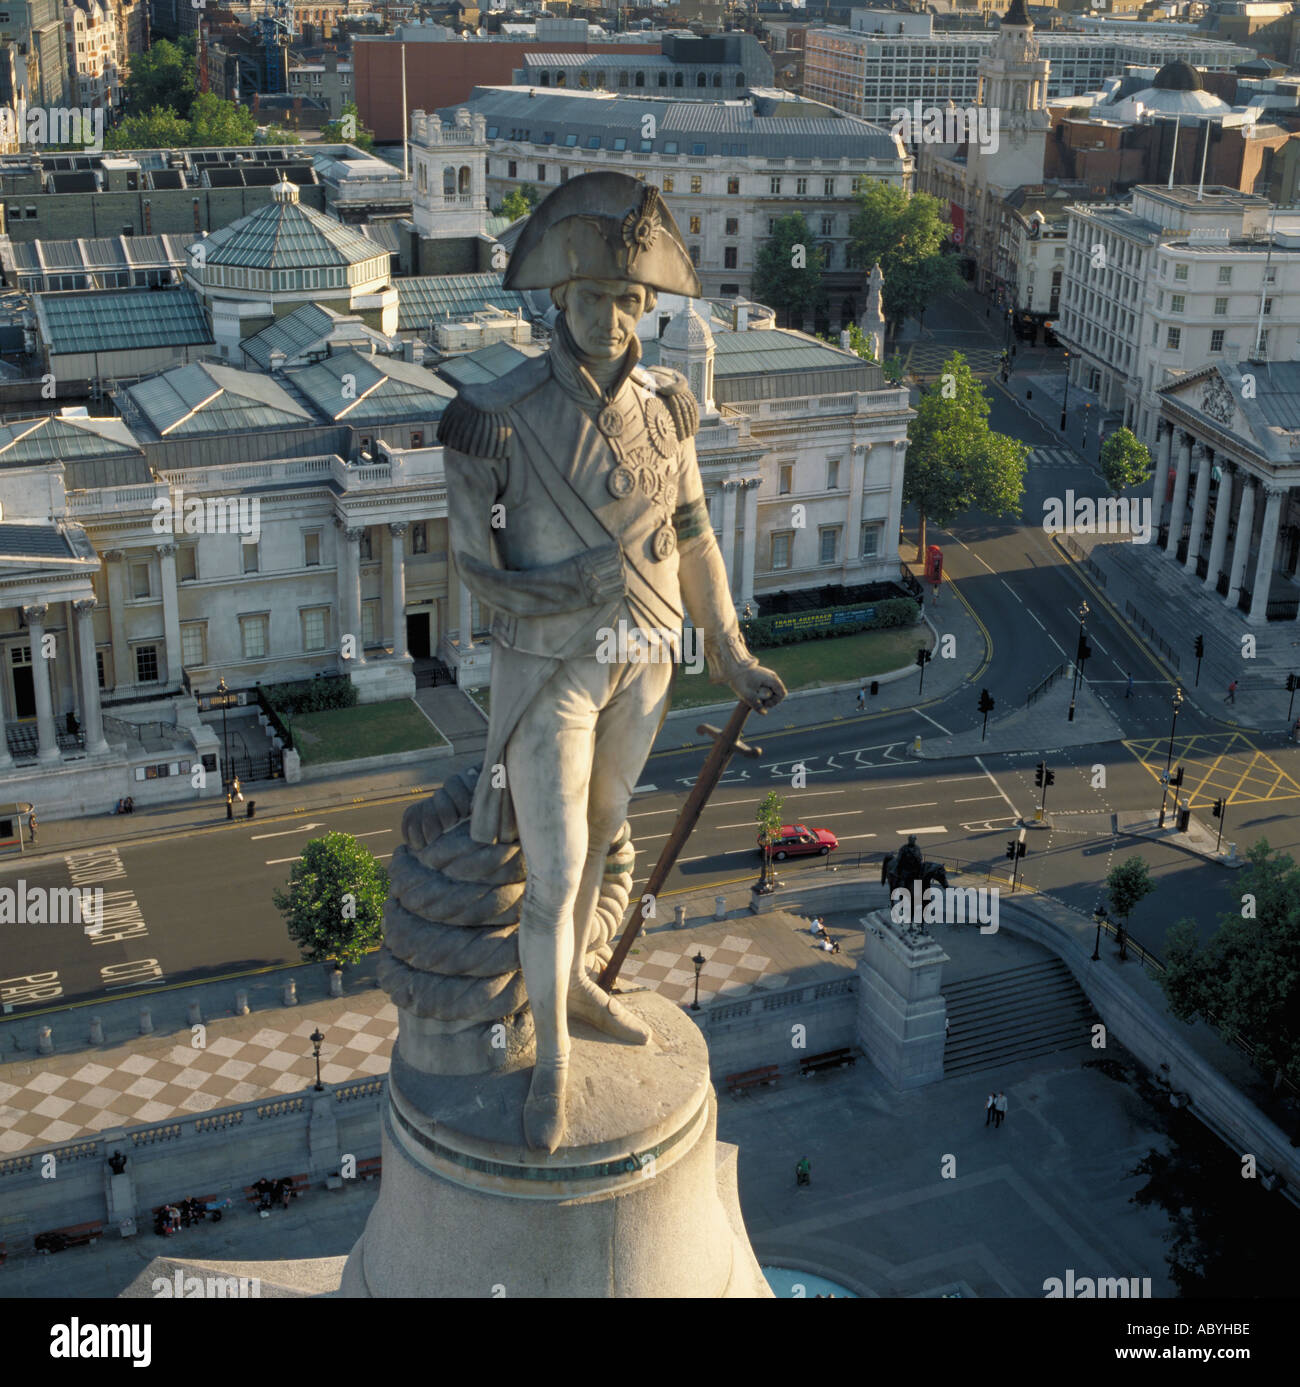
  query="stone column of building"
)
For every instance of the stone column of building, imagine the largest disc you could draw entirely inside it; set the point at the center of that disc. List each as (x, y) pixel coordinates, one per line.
(92, 715)
(1178, 511)
(397, 576)
(115, 578)
(1160, 483)
(350, 587)
(729, 489)
(48, 752)
(171, 612)
(894, 523)
(465, 617)
(1200, 504)
(1274, 495)
(749, 547)
(1219, 537)
(852, 556)
(1241, 546)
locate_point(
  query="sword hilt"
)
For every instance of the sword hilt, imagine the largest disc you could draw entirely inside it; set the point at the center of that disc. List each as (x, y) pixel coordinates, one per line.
(706, 729)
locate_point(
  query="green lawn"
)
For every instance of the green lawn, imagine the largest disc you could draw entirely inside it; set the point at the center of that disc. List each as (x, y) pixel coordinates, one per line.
(371, 729)
(483, 697)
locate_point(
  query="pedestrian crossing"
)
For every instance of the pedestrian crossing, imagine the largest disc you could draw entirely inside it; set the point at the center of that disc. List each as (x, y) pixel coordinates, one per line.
(1054, 457)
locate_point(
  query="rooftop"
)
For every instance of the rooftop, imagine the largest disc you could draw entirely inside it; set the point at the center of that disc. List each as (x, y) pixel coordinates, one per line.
(203, 398)
(382, 389)
(114, 320)
(486, 364)
(428, 299)
(285, 235)
(297, 331)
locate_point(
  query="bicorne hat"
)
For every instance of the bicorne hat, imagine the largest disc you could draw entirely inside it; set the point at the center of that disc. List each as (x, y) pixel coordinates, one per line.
(603, 226)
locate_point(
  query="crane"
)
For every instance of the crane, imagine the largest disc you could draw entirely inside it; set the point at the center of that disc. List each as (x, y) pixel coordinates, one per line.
(276, 27)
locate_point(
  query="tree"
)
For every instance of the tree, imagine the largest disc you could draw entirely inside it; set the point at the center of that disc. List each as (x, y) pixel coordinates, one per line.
(158, 129)
(1124, 461)
(1128, 883)
(334, 905)
(348, 129)
(956, 462)
(277, 134)
(788, 270)
(768, 818)
(892, 366)
(1245, 981)
(164, 77)
(214, 122)
(905, 236)
(519, 202)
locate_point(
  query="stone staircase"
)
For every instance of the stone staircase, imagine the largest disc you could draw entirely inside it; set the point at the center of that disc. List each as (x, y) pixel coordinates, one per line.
(1036, 1009)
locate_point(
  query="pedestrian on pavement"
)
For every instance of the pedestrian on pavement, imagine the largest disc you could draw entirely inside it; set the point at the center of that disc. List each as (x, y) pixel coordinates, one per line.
(862, 698)
(1128, 691)
(803, 1173)
(1000, 1107)
(990, 1108)
(1232, 693)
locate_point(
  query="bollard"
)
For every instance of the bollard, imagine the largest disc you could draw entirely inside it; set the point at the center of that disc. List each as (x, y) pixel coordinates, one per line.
(719, 907)
(336, 982)
(96, 1030)
(146, 1022)
(44, 1041)
(291, 993)
(194, 1014)
(1232, 852)
(241, 1003)
(916, 747)
(679, 917)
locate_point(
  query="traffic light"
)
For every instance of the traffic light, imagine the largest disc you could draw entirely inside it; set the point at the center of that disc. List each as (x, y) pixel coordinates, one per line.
(1015, 849)
(1177, 781)
(1085, 650)
(1011, 850)
(1040, 771)
(1291, 683)
(1200, 647)
(1217, 811)
(986, 702)
(1051, 779)
(922, 657)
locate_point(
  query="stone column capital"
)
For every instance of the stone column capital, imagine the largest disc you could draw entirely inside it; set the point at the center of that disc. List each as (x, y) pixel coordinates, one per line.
(83, 606)
(36, 613)
(166, 551)
(1275, 490)
(398, 528)
(112, 555)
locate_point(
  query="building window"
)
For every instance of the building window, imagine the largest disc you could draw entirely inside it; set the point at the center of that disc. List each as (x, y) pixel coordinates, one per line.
(733, 187)
(194, 645)
(252, 637)
(512, 169)
(369, 622)
(315, 628)
(1270, 275)
(1180, 271)
(1268, 308)
(871, 540)
(417, 439)
(139, 580)
(785, 475)
(828, 226)
(250, 558)
(830, 543)
(729, 257)
(1177, 302)
(366, 548)
(541, 173)
(146, 664)
(781, 549)
(1225, 274)
(771, 226)
(1261, 347)
(828, 187)
(695, 226)
(732, 226)
(697, 184)
(419, 538)
(668, 183)
(801, 187)
(1216, 341)
(187, 563)
(1220, 308)
(833, 475)
(1174, 338)
(695, 255)
(774, 186)
(311, 549)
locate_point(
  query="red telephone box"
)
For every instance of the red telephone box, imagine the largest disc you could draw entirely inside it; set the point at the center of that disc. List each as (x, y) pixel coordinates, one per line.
(933, 564)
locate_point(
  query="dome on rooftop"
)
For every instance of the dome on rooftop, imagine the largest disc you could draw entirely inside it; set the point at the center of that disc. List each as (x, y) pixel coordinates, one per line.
(687, 330)
(1178, 77)
(285, 235)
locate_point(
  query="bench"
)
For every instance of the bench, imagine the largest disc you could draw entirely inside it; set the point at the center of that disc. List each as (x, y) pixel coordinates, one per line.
(74, 1235)
(752, 1078)
(831, 1059)
(372, 1168)
(298, 1184)
(203, 1200)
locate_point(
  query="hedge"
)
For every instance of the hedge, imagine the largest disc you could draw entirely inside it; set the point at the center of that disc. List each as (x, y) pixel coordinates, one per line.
(890, 612)
(311, 695)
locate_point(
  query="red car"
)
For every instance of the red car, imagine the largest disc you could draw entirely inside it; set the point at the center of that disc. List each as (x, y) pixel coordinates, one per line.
(797, 841)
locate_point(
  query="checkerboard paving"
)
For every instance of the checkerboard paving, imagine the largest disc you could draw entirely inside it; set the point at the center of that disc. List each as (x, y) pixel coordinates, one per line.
(732, 970)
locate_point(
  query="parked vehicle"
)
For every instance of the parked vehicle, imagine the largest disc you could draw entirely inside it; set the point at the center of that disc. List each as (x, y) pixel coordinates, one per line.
(795, 840)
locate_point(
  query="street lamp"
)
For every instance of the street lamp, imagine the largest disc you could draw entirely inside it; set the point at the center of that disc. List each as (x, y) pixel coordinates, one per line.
(316, 1038)
(223, 690)
(1065, 407)
(1178, 703)
(1078, 659)
(1101, 917)
(699, 962)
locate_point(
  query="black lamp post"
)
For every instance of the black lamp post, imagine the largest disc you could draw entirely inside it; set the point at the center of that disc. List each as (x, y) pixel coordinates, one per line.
(1101, 917)
(316, 1039)
(699, 961)
(223, 691)
(1065, 407)
(1078, 659)
(1178, 703)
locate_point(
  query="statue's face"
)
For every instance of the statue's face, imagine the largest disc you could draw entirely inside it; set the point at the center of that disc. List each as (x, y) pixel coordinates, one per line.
(602, 315)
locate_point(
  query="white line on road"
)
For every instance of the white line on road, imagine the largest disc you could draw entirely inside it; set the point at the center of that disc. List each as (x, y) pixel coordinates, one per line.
(650, 813)
(997, 787)
(929, 719)
(853, 837)
(645, 789)
(953, 779)
(278, 861)
(934, 828)
(287, 833)
(973, 798)
(374, 833)
(1033, 617)
(925, 804)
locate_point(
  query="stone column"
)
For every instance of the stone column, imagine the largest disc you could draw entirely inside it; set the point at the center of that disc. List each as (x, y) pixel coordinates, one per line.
(1267, 552)
(350, 586)
(92, 716)
(1164, 446)
(1200, 505)
(1178, 511)
(728, 546)
(466, 617)
(115, 581)
(898, 463)
(171, 611)
(49, 753)
(852, 556)
(1219, 537)
(1241, 546)
(749, 548)
(397, 591)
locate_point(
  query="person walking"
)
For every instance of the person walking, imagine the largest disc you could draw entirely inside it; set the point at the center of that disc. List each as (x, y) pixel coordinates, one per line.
(1000, 1107)
(862, 699)
(1232, 693)
(31, 822)
(803, 1173)
(990, 1108)
(1128, 691)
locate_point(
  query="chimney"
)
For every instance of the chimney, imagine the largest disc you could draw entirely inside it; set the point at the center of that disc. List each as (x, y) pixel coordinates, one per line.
(844, 339)
(278, 359)
(742, 317)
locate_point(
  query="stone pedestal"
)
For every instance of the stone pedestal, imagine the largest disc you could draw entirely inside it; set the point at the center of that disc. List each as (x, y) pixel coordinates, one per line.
(380, 681)
(640, 1201)
(900, 1012)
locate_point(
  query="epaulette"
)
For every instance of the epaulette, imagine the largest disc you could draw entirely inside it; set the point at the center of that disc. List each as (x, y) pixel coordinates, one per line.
(468, 428)
(672, 388)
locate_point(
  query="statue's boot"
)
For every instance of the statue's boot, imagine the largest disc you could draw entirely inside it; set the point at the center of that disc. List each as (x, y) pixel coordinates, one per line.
(591, 1003)
(544, 1106)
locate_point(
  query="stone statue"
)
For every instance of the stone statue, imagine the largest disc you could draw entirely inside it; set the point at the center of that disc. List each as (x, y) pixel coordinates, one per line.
(575, 506)
(872, 321)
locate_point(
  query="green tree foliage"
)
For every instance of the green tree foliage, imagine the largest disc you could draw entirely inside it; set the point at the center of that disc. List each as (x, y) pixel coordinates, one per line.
(211, 122)
(1246, 980)
(892, 366)
(278, 134)
(1124, 461)
(164, 77)
(788, 270)
(1128, 883)
(348, 129)
(334, 905)
(519, 202)
(905, 236)
(956, 462)
(769, 820)
(158, 129)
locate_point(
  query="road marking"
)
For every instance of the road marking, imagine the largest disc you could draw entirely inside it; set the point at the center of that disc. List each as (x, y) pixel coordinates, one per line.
(934, 828)
(650, 813)
(925, 804)
(953, 779)
(939, 725)
(853, 837)
(287, 833)
(645, 789)
(278, 861)
(973, 798)
(374, 833)
(1035, 620)
(997, 787)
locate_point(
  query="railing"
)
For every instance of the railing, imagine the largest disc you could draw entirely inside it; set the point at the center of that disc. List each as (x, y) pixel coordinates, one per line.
(109, 499)
(1044, 684)
(138, 731)
(238, 477)
(1081, 555)
(282, 728)
(1149, 632)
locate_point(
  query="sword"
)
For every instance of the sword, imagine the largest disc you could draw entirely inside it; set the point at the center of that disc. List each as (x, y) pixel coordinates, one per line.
(725, 744)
